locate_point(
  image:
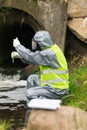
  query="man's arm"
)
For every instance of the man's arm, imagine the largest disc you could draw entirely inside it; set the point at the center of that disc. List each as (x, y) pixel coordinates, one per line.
(44, 57)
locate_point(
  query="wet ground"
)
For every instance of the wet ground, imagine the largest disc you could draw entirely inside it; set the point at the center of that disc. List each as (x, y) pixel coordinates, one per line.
(17, 117)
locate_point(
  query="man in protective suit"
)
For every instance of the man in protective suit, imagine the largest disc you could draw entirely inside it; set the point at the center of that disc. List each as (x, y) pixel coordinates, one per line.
(52, 81)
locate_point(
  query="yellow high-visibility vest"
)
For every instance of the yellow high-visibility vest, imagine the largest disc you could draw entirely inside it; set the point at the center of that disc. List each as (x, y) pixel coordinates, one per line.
(56, 77)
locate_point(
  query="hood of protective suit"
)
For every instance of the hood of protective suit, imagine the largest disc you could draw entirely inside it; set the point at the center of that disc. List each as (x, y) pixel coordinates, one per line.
(43, 39)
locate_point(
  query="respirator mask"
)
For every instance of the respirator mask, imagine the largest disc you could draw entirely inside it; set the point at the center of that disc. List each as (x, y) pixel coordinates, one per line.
(34, 45)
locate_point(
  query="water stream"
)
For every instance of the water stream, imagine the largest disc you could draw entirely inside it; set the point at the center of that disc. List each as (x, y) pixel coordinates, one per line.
(12, 95)
(12, 89)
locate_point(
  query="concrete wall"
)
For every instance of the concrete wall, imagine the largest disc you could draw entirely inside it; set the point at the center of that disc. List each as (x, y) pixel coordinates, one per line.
(41, 14)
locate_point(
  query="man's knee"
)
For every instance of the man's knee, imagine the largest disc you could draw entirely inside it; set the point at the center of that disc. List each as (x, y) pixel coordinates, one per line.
(30, 80)
(30, 77)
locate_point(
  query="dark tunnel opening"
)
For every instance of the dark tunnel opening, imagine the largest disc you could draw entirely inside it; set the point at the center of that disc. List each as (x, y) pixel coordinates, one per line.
(15, 23)
(9, 32)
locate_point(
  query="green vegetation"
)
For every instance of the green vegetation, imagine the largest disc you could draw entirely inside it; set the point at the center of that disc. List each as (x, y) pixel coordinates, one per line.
(78, 89)
(5, 125)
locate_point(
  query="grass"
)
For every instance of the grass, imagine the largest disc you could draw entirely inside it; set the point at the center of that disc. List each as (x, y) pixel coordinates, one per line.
(5, 125)
(78, 89)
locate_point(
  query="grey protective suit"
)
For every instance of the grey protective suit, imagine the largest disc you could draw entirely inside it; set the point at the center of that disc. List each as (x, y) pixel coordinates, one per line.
(45, 57)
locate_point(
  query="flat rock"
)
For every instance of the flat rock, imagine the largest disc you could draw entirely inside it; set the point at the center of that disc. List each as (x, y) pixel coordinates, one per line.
(78, 26)
(65, 118)
(77, 8)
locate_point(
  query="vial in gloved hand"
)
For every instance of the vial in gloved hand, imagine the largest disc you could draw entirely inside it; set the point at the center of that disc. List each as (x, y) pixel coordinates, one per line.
(13, 60)
(14, 54)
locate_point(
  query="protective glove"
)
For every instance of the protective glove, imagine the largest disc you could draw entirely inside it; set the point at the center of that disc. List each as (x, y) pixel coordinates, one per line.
(16, 42)
(15, 54)
(34, 45)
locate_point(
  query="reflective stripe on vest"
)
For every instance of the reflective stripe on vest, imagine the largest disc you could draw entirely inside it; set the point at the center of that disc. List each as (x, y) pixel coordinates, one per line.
(54, 71)
(56, 77)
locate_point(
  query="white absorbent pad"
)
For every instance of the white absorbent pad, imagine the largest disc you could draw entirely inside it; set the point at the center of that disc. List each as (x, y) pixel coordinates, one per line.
(51, 104)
